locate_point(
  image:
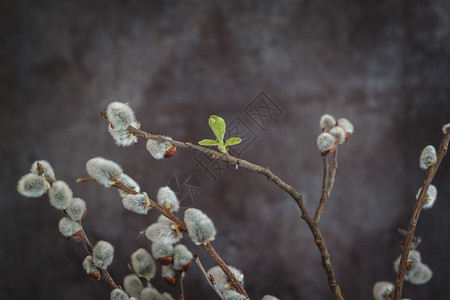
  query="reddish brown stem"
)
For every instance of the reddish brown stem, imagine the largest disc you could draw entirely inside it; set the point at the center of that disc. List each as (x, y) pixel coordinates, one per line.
(180, 289)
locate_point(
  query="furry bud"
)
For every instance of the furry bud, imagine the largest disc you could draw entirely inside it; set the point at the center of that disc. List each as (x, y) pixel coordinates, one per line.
(382, 290)
(102, 254)
(167, 199)
(233, 295)
(326, 142)
(143, 264)
(60, 195)
(414, 261)
(446, 128)
(163, 253)
(269, 297)
(76, 209)
(105, 172)
(182, 258)
(91, 269)
(31, 185)
(158, 149)
(166, 296)
(120, 115)
(118, 294)
(70, 229)
(428, 157)
(327, 122)
(346, 125)
(168, 273)
(138, 203)
(133, 285)
(430, 197)
(422, 275)
(163, 232)
(48, 170)
(130, 183)
(339, 134)
(221, 279)
(150, 293)
(123, 137)
(200, 227)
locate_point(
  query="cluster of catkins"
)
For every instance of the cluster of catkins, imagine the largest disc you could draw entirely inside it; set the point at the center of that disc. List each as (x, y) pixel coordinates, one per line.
(418, 272)
(333, 133)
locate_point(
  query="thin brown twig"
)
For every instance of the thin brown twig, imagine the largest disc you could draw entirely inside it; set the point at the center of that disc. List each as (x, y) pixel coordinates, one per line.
(298, 198)
(180, 289)
(210, 279)
(332, 173)
(406, 243)
(323, 197)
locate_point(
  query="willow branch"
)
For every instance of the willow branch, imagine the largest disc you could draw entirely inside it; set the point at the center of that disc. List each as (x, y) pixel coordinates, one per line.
(323, 197)
(209, 278)
(298, 198)
(180, 289)
(406, 244)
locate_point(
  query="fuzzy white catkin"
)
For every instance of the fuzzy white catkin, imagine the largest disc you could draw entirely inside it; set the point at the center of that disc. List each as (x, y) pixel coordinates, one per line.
(130, 183)
(138, 203)
(430, 197)
(181, 257)
(325, 141)
(102, 254)
(162, 233)
(415, 258)
(31, 185)
(120, 115)
(76, 209)
(150, 293)
(428, 157)
(422, 275)
(68, 227)
(104, 171)
(60, 195)
(327, 122)
(133, 285)
(162, 250)
(48, 170)
(167, 199)
(199, 226)
(167, 296)
(143, 264)
(381, 289)
(221, 279)
(233, 295)
(118, 294)
(89, 267)
(158, 149)
(168, 271)
(123, 137)
(269, 297)
(338, 133)
(346, 125)
(446, 128)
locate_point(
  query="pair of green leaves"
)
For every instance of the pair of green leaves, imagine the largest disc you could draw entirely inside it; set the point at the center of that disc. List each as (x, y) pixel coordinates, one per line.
(219, 127)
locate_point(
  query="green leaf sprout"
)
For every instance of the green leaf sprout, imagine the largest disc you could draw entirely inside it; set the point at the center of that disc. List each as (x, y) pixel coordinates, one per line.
(219, 128)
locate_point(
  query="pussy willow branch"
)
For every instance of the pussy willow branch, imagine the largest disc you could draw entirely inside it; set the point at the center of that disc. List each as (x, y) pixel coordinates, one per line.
(327, 186)
(180, 289)
(209, 278)
(182, 227)
(313, 225)
(406, 243)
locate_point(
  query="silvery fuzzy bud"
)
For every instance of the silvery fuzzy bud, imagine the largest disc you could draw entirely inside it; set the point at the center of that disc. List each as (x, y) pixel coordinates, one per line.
(430, 197)
(200, 227)
(428, 157)
(346, 125)
(130, 183)
(70, 229)
(31, 185)
(233, 295)
(60, 195)
(167, 199)
(102, 254)
(166, 296)
(382, 289)
(182, 258)
(76, 209)
(91, 269)
(269, 297)
(158, 149)
(422, 275)
(169, 275)
(143, 264)
(327, 122)
(221, 279)
(133, 285)
(163, 232)
(414, 261)
(48, 170)
(446, 128)
(138, 203)
(123, 137)
(326, 142)
(339, 134)
(118, 294)
(105, 172)
(150, 293)
(163, 253)
(120, 115)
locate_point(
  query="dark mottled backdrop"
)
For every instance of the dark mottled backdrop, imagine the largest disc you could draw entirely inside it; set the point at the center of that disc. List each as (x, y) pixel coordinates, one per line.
(383, 64)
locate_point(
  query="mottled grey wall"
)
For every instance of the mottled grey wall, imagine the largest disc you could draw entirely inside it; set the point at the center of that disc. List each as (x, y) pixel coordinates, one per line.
(383, 64)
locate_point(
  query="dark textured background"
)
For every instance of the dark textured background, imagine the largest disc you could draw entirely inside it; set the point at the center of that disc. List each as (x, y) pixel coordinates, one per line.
(383, 64)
